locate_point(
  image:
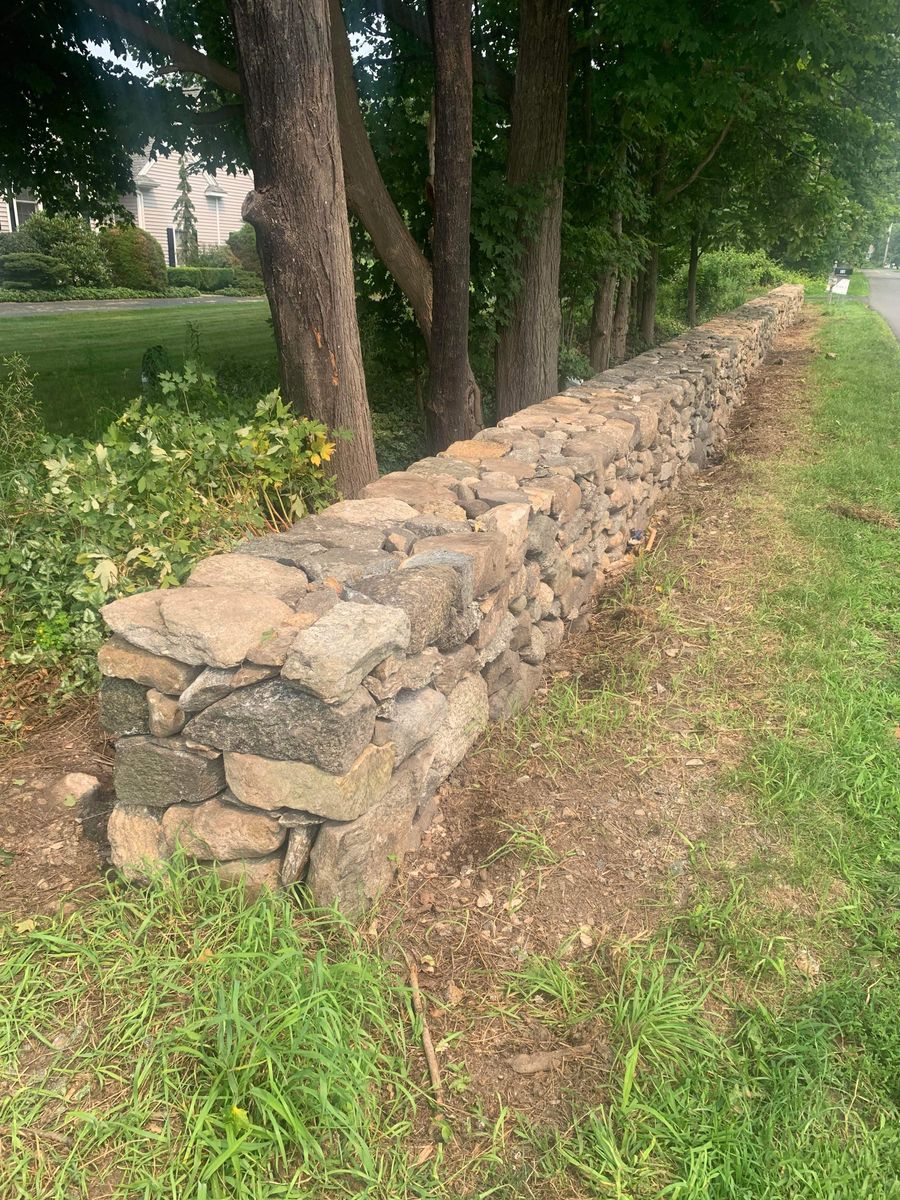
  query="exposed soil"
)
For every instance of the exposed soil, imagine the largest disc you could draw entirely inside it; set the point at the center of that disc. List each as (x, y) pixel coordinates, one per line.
(49, 847)
(620, 815)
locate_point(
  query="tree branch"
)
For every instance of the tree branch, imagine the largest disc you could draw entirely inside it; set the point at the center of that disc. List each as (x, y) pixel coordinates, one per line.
(184, 57)
(700, 167)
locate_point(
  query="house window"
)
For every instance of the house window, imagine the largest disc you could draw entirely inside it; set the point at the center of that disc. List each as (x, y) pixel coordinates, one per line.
(20, 208)
(215, 200)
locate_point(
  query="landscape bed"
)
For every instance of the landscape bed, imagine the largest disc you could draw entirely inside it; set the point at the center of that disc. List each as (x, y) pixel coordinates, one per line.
(291, 711)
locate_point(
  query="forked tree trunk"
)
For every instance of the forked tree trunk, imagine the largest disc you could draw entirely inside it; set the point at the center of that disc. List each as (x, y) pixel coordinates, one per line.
(371, 201)
(451, 406)
(528, 349)
(692, 280)
(648, 299)
(619, 339)
(602, 321)
(367, 194)
(299, 212)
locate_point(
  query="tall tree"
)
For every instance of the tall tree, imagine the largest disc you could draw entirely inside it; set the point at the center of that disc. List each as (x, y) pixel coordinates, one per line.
(528, 348)
(452, 405)
(299, 212)
(185, 216)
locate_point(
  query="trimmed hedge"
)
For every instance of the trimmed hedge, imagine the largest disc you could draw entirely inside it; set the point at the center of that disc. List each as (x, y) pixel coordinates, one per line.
(33, 295)
(135, 258)
(207, 279)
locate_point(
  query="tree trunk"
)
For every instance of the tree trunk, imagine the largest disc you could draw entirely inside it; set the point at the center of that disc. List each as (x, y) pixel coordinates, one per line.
(299, 212)
(367, 194)
(528, 349)
(601, 321)
(648, 299)
(619, 337)
(371, 201)
(692, 280)
(450, 412)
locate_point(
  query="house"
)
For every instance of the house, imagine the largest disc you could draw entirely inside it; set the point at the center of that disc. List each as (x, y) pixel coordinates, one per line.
(217, 203)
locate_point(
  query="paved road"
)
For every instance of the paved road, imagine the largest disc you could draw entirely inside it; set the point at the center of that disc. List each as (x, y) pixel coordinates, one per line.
(54, 307)
(884, 296)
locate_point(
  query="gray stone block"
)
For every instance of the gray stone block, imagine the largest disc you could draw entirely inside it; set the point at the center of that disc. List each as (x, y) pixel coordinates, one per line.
(281, 721)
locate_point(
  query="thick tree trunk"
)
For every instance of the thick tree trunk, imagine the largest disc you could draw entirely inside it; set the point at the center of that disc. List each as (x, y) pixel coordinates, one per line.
(692, 280)
(648, 299)
(603, 309)
(619, 337)
(528, 349)
(450, 412)
(602, 321)
(299, 212)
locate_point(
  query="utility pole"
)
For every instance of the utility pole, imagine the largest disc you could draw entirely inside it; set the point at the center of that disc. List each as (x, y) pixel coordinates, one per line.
(887, 244)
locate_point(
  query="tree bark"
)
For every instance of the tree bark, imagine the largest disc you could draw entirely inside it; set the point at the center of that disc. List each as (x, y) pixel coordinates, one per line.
(692, 280)
(371, 201)
(298, 210)
(602, 321)
(648, 299)
(367, 194)
(528, 350)
(600, 342)
(619, 338)
(450, 412)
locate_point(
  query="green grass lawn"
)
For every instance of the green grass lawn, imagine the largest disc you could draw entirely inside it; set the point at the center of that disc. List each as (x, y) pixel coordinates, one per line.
(859, 285)
(172, 1043)
(89, 363)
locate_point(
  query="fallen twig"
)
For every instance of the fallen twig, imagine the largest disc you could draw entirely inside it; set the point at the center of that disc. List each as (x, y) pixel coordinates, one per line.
(427, 1044)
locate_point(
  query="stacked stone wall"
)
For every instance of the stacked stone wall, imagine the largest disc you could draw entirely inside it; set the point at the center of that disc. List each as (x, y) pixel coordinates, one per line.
(291, 711)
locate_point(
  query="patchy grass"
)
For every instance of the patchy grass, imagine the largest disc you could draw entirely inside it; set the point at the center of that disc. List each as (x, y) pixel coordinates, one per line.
(737, 1039)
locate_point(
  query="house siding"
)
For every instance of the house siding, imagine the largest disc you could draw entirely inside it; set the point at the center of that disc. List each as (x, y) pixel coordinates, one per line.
(157, 182)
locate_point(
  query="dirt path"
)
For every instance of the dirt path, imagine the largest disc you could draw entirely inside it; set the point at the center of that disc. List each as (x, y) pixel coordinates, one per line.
(572, 826)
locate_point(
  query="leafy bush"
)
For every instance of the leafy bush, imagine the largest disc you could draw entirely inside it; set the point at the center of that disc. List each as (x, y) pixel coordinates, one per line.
(726, 279)
(30, 268)
(249, 283)
(135, 258)
(242, 244)
(72, 242)
(207, 279)
(31, 295)
(169, 481)
(216, 256)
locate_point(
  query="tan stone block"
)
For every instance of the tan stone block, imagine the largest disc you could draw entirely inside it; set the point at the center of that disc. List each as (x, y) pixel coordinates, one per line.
(276, 783)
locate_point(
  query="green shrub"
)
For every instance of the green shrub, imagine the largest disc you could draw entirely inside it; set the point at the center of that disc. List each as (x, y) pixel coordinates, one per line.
(207, 279)
(216, 256)
(169, 482)
(726, 279)
(135, 258)
(29, 268)
(242, 244)
(249, 283)
(13, 293)
(72, 242)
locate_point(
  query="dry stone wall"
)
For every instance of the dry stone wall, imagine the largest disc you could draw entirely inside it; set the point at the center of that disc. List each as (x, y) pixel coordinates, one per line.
(290, 712)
